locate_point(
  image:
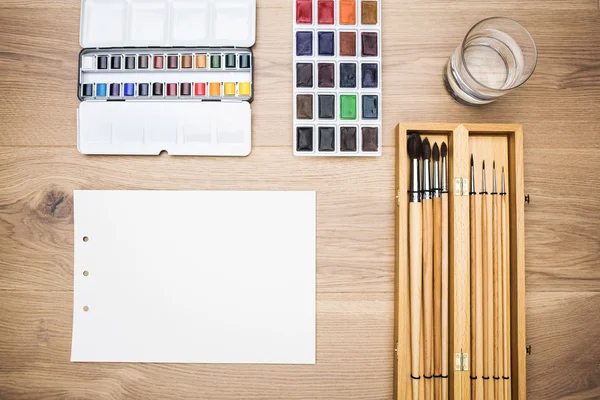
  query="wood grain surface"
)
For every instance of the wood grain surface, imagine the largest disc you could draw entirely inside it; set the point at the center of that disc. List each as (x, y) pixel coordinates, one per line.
(40, 167)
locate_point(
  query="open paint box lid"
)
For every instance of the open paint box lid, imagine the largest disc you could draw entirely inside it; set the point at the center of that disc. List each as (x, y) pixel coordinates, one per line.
(156, 23)
(204, 126)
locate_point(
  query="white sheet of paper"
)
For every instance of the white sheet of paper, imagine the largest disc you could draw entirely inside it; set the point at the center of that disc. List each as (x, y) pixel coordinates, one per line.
(194, 277)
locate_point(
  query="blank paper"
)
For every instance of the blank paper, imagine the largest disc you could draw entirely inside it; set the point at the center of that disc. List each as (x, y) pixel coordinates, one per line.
(194, 277)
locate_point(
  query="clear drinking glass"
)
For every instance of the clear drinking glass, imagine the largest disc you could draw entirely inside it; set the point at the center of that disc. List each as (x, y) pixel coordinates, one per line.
(497, 55)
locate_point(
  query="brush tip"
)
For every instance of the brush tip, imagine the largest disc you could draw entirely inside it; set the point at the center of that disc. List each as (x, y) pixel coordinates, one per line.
(414, 146)
(426, 149)
(472, 161)
(483, 164)
(444, 149)
(494, 165)
(436, 152)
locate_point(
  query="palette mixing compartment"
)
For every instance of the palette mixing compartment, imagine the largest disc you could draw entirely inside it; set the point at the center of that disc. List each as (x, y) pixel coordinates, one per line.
(337, 78)
(166, 75)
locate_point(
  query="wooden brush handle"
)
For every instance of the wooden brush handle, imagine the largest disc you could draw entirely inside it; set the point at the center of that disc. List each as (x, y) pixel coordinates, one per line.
(445, 288)
(497, 296)
(428, 289)
(415, 259)
(473, 242)
(437, 289)
(505, 237)
(488, 309)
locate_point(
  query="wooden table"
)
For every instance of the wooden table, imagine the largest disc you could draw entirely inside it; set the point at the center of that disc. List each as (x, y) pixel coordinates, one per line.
(40, 167)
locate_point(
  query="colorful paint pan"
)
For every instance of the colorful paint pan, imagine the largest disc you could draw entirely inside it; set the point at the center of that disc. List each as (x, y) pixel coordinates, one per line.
(88, 89)
(201, 61)
(200, 89)
(245, 61)
(143, 76)
(304, 139)
(304, 43)
(143, 62)
(102, 62)
(369, 12)
(326, 75)
(159, 62)
(172, 62)
(101, 90)
(130, 62)
(337, 78)
(171, 89)
(326, 138)
(245, 89)
(143, 89)
(326, 12)
(304, 11)
(115, 89)
(347, 12)
(215, 89)
(185, 89)
(215, 61)
(348, 44)
(229, 89)
(230, 61)
(304, 75)
(115, 62)
(157, 89)
(128, 89)
(369, 44)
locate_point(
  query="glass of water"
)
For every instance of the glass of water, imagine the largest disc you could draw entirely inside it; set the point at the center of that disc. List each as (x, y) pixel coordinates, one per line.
(497, 55)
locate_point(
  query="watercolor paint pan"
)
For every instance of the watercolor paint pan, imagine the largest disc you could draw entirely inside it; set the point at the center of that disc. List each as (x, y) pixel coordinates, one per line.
(337, 78)
(231, 69)
(166, 75)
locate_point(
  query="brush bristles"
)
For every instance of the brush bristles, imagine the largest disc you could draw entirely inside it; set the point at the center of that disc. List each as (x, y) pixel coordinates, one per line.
(414, 147)
(444, 149)
(436, 152)
(426, 149)
(494, 165)
(472, 161)
(484, 165)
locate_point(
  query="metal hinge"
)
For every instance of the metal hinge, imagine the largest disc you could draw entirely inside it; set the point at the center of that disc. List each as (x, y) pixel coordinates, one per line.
(528, 350)
(461, 362)
(461, 187)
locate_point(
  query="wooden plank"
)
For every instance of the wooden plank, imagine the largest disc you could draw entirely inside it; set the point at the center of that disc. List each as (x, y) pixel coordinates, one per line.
(563, 332)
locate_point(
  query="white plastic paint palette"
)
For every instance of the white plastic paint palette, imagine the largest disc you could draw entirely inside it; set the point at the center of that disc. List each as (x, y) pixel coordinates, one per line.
(145, 89)
(337, 78)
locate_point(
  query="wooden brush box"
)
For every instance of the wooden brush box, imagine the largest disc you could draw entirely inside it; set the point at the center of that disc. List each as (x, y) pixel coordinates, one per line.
(489, 142)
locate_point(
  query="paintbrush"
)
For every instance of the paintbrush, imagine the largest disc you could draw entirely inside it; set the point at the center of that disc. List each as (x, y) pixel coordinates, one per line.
(488, 324)
(415, 238)
(505, 289)
(437, 274)
(497, 290)
(445, 272)
(427, 270)
(476, 359)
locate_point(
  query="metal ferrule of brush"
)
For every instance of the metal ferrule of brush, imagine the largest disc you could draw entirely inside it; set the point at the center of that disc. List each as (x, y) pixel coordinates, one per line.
(444, 175)
(494, 191)
(503, 189)
(472, 192)
(426, 188)
(437, 191)
(483, 186)
(415, 185)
